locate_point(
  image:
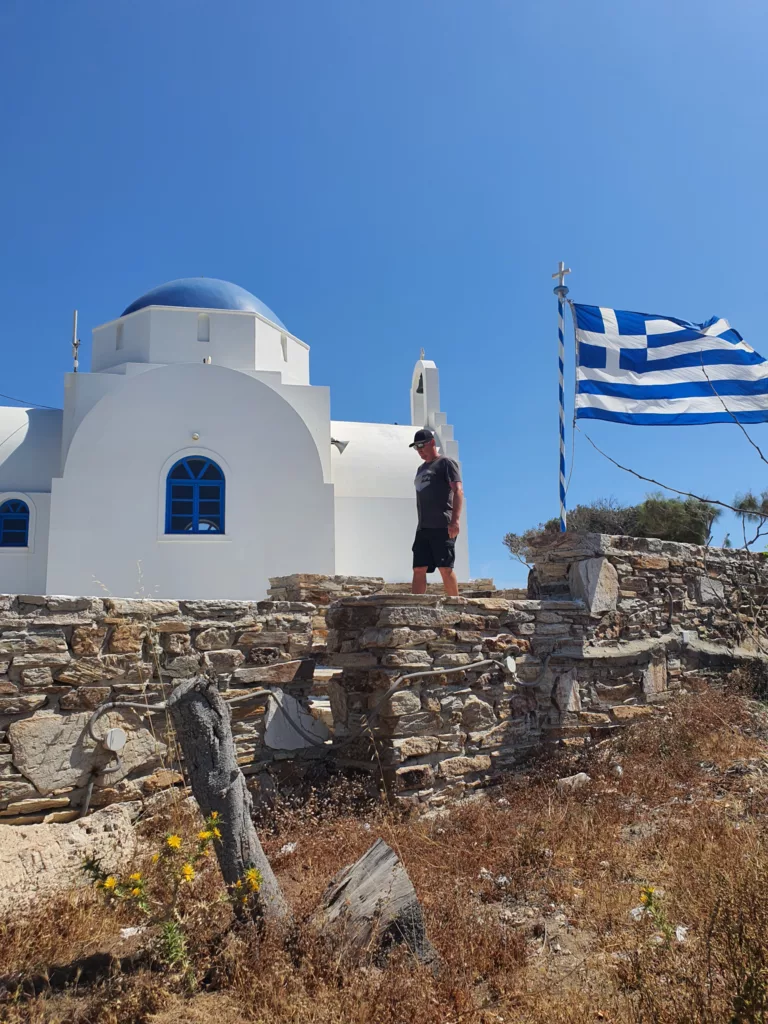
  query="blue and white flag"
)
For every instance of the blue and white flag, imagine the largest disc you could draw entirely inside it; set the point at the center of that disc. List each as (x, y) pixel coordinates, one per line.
(645, 369)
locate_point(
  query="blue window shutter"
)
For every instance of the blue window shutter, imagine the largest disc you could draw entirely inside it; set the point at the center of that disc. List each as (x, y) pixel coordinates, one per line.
(14, 524)
(194, 497)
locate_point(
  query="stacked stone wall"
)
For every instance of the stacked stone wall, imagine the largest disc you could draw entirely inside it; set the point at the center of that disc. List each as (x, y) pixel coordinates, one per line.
(63, 657)
(622, 625)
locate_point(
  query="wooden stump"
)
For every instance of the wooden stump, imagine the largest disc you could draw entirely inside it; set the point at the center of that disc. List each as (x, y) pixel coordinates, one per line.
(202, 721)
(373, 906)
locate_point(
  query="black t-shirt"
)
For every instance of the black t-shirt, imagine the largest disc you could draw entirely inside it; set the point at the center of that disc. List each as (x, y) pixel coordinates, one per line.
(434, 497)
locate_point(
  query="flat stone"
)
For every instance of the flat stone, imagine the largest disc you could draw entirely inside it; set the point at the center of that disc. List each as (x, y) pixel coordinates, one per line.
(85, 698)
(68, 604)
(36, 678)
(455, 767)
(593, 718)
(402, 702)
(140, 607)
(88, 640)
(183, 667)
(34, 806)
(416, 776)
(477, 715)
(624, 713)
(82, 671)
(164, 778)
(172, 625)
(415, 617)
(54, 751)
(595, 582)
(709, 591)
(280, 733)
(411, 724)
(374, 637)
(42, 659)
(416, 746)
(14, 642)
(15, 790)
(657, 562)
(127, 639)
(278, 672)
(41, 860)
(407, 659)
(655, 678)
(223, 661)
(452, 660)
(566, 692)
(358, 659)
(213, 639)
(21, 705)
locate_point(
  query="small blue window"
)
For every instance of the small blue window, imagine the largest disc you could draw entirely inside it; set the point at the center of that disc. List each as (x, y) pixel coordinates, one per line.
(14, 524)
(194, 497)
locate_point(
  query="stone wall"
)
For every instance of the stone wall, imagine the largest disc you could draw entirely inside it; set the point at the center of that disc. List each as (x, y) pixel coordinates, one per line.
(62, 657)
(628, 623)
(645, 587)
(622, 625)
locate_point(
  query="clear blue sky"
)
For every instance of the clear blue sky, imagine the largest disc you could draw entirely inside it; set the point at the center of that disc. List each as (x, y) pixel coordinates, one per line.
(395, 175)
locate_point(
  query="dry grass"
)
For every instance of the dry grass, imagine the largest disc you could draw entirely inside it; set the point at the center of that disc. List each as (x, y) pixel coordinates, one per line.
(527, 897)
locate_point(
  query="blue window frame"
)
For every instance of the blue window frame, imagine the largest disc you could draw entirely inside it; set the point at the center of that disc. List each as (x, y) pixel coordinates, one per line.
(14, 524)
(194, 497)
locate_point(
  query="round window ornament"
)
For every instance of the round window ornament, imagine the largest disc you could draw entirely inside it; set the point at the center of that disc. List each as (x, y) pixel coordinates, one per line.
(115, 740)
(195, 437)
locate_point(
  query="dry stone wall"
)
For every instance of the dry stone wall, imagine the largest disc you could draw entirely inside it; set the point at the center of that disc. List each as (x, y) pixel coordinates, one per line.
(620, 625)
(61, 658)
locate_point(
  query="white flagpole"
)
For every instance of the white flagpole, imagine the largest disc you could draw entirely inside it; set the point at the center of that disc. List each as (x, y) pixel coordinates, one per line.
(561, 291)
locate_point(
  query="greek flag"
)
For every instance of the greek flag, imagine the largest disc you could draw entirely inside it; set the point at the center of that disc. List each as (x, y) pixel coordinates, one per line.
(645, 369)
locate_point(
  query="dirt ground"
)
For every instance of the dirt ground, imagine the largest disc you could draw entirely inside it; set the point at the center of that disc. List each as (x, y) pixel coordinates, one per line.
(640, 897)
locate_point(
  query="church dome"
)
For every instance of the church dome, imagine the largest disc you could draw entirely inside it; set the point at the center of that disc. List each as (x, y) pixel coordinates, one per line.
(203, 293)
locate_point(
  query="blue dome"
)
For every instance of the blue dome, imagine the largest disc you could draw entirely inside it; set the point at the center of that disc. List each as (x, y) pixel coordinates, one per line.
(203, 293)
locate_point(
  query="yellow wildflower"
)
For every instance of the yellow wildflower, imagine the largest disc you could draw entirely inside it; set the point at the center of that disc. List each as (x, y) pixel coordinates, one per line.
(239, 884)
(647, 893)
(136, 891)
(214, 815)
(188, 872)
(205, 836)
(110, 882)
(216, 833)
(254, 879)
(155, 858)
(135, 877)
(174, 842)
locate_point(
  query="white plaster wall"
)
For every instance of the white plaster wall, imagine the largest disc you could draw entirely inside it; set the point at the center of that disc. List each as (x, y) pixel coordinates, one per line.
(135, 343)
(107, 511)
(23, 570)
(376, 502)
(30, 448)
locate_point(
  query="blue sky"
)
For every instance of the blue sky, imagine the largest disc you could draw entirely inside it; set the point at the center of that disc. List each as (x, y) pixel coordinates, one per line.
(392, 176)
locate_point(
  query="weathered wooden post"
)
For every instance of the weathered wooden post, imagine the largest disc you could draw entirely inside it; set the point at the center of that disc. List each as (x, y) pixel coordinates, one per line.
(202, 721)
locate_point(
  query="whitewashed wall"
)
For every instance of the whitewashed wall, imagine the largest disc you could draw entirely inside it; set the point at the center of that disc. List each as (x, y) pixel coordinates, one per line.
(108, 509)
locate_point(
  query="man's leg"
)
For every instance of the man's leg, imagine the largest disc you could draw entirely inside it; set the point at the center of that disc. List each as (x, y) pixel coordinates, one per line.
(450, 582)
(419, 585)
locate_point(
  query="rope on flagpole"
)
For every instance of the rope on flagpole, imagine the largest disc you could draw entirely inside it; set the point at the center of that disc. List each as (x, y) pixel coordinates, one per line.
(561, 291)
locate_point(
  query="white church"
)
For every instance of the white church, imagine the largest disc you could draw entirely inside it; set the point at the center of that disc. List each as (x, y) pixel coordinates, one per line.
(196, 460)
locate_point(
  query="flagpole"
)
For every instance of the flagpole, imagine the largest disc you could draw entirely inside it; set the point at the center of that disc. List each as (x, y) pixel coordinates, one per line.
(561, 291)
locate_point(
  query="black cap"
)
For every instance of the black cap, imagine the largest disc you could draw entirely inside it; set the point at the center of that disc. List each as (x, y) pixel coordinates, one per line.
(422, 435)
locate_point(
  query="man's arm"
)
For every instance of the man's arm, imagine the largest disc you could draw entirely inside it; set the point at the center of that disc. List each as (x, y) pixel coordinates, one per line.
(458, 505)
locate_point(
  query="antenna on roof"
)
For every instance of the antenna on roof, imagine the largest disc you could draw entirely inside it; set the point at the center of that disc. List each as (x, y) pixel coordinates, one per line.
(422, 355)
(75, 343)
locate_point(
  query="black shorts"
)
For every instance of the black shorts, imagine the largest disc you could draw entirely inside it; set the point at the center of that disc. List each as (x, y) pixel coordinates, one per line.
(433, 548)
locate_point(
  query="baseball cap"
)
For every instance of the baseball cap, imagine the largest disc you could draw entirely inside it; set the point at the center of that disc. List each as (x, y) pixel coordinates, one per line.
(422, 435)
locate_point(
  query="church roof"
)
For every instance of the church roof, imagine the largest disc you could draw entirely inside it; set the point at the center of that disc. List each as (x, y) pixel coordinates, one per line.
(203, 293)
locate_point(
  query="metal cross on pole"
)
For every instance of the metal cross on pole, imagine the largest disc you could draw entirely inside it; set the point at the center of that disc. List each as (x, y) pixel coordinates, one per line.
(561, 291)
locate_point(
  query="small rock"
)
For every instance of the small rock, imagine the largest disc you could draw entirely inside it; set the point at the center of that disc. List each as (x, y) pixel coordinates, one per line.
(287, 848)
(128, 933)
(573, 782)
(681, 933)
(637, 913)
(617, 770)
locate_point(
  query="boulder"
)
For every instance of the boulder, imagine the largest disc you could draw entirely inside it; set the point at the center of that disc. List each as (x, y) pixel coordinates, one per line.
(55, 751)
(38, 861)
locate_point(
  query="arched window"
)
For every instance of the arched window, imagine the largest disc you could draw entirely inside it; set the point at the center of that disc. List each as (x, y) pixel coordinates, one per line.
(14, 524)
(194, 497)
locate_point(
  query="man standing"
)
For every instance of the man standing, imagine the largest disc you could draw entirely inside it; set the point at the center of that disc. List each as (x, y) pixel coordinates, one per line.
(439, 500)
